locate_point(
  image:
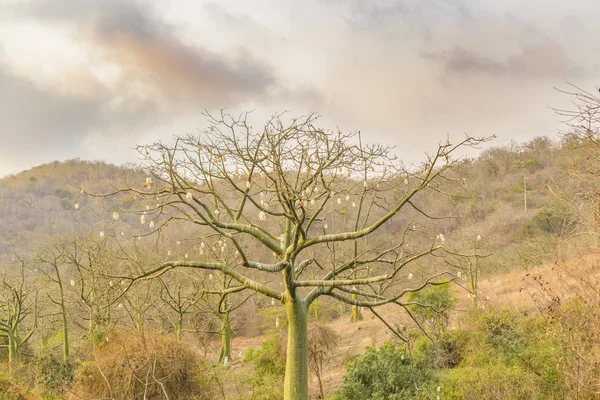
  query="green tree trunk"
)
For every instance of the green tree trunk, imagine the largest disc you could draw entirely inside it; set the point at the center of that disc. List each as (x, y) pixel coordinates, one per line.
(474, 278)
(13, 351)
(296, 368)
(179, 328)
(225, 338)
(356, 314)
(65, 327)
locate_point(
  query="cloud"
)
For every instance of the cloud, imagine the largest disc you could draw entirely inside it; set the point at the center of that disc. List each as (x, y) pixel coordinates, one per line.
(394, 15)
(539, 60)
(40, 125)
(154, 62)
(139, 75)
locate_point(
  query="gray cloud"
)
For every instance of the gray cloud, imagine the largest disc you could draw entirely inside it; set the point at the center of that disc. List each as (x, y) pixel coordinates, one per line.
(37, 124)
(26, 109)
(149, 52)
(540, 60)
(160, 79)
(390, 15)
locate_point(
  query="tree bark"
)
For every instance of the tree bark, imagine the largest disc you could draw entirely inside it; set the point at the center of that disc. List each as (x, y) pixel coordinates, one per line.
(356, 314)
(65, 327)
(296, 368)
(13, 351)
(225, 338)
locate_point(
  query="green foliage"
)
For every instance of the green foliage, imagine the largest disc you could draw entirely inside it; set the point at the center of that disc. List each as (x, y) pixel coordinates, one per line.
(507, 355)
(268, 359)
(387, 373)
(63, 194)
(268, 363)
(447, 350)
(489, 382)
(51, 374)
(434, 305)
(554, 219)
(65, 204)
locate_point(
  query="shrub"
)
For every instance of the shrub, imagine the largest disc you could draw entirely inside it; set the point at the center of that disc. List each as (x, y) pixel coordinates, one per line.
(512, 349)
(387, 373)
(12, 390)
(448, 350)
(554, 219)
(268, 363)
(490, 382)
(269, 358)
(435, 303)
(65, 204)
(131, 367)
(321, 342)
(51, 374)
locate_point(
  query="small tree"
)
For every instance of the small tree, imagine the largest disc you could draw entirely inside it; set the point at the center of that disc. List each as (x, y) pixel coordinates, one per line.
(54, 258)
(321, 342)
(298, 204)
(579, 189)
(179, 297)
(18, 306)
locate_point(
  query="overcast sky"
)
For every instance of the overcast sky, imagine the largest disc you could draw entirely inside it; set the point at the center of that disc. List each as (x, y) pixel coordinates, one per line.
(91, 79)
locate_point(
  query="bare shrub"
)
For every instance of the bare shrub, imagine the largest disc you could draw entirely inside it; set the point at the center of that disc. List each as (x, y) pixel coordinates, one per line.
(127, 367)
(322, 340)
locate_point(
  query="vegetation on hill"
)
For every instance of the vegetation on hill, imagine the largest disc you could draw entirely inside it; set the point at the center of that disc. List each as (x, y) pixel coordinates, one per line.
(145, 292)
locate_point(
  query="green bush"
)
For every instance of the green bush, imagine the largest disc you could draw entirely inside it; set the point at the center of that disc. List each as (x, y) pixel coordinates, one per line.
(554, 219)
(268, 362)
(63, 194)
(52, 374)
(448, 350)
(512, 347)
(489, 382)
(65, 204)
(387, 373)
(434, 306)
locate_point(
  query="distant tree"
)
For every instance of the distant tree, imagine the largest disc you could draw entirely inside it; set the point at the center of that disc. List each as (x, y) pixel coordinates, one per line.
(299, 205)
(579, 188)
(53, 257)
(18, 312)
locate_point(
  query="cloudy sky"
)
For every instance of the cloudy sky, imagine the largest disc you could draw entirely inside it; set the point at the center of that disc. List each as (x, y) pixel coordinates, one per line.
(91, 79)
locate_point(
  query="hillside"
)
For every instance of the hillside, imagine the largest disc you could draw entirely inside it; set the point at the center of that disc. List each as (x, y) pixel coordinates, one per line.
(503, 218)
(486, 199)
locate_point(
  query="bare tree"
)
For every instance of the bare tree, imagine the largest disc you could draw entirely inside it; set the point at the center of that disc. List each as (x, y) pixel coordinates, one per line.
(54, 258)
(579, 188)
(300, 206)
(18, 306)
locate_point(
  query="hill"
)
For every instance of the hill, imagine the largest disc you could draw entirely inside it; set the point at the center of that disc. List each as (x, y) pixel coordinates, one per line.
(503, 216)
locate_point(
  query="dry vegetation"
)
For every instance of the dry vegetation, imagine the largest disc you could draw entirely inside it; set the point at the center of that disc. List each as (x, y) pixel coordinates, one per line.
(538, 280)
